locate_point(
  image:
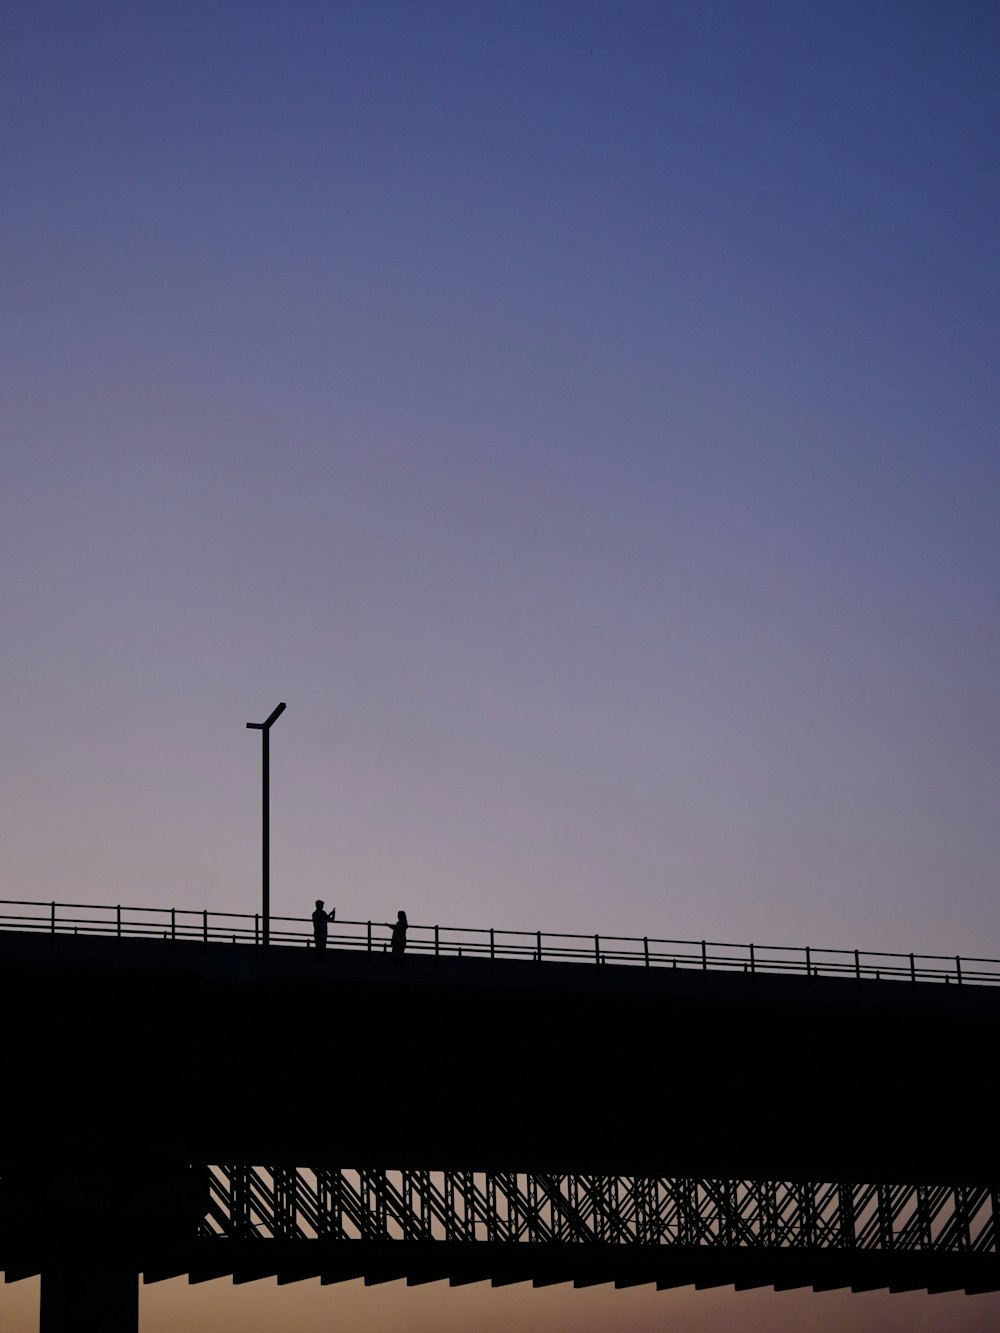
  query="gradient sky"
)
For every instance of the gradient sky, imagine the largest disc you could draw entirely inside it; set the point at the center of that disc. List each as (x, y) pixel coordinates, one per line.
(583, 416)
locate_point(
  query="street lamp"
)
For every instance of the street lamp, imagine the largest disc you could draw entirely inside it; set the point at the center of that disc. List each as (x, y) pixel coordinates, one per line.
(265, 730)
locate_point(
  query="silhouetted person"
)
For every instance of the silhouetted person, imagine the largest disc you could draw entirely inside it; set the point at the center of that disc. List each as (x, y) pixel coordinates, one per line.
(320, 918)
(398, 943)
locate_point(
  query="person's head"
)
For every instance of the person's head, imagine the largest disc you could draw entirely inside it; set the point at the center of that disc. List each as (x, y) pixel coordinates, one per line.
(401, 916)
(319, 902)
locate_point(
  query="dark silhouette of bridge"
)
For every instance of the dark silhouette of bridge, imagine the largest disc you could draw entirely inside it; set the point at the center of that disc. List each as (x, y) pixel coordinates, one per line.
(501, 1106)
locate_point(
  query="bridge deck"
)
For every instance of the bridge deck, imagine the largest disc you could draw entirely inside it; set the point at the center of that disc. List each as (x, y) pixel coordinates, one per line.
(219, 1053)
(730, 1097)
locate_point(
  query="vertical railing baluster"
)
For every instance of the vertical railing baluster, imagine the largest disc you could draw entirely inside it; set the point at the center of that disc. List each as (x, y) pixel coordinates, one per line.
(597, 948)
(492, 944)
(958, 969)
(204, 925)
(538, 941)
(118, 920)
(913, 971)
(53, 919)
(369, 937)
(857, 965)
(753, 961)
(437, 942)
(704, 957)
(808, 963)
(645, 949)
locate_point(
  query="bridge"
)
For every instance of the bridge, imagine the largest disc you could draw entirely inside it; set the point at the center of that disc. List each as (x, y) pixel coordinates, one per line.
(492, 1106)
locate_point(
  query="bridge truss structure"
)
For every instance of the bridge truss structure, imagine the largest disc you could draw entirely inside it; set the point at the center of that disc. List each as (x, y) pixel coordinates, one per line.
(466, 1226)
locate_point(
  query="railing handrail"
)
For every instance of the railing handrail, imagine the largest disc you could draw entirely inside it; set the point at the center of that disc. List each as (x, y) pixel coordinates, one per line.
(57, 917)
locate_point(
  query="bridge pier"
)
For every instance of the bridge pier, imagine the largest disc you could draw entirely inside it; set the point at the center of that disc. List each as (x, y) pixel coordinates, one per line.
(87, 1299)
(89, 1221)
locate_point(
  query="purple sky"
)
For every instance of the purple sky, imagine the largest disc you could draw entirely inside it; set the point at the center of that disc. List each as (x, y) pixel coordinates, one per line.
(582, 414)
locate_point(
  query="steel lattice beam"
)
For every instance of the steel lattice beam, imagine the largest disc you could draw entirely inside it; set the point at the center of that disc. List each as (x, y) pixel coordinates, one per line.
(784, 1233)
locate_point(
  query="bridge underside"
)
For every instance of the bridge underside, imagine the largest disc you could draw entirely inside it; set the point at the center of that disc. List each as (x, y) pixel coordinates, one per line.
(586, 1123)
(425, 1226)
(418, 1263)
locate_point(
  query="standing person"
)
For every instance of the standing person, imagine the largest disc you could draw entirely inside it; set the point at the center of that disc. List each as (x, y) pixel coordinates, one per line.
(398, 942)
(320, 918)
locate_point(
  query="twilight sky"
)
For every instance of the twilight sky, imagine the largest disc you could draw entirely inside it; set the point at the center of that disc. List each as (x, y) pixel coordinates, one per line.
(582, 414)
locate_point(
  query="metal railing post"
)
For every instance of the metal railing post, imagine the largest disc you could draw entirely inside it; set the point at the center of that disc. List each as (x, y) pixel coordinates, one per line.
(808, 963)
(913, 972)
(958, 969)
(173, 923)
(369, 937)
(538, 941)
(53, 931)
(704, 957)
(437, 942)
(256, 928)
(857, 965)
(492, 944)
(753, 960)
(118, 920)
(645, 949)
(204, 925)
(597, 948)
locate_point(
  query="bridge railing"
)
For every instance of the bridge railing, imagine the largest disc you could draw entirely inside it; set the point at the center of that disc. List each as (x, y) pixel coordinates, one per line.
(183, 923)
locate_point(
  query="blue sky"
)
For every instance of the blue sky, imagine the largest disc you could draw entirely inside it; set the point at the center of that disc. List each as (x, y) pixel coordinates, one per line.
(583, 415)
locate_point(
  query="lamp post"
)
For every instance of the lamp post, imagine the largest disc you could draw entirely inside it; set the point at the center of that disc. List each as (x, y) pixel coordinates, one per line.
(265, 730)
